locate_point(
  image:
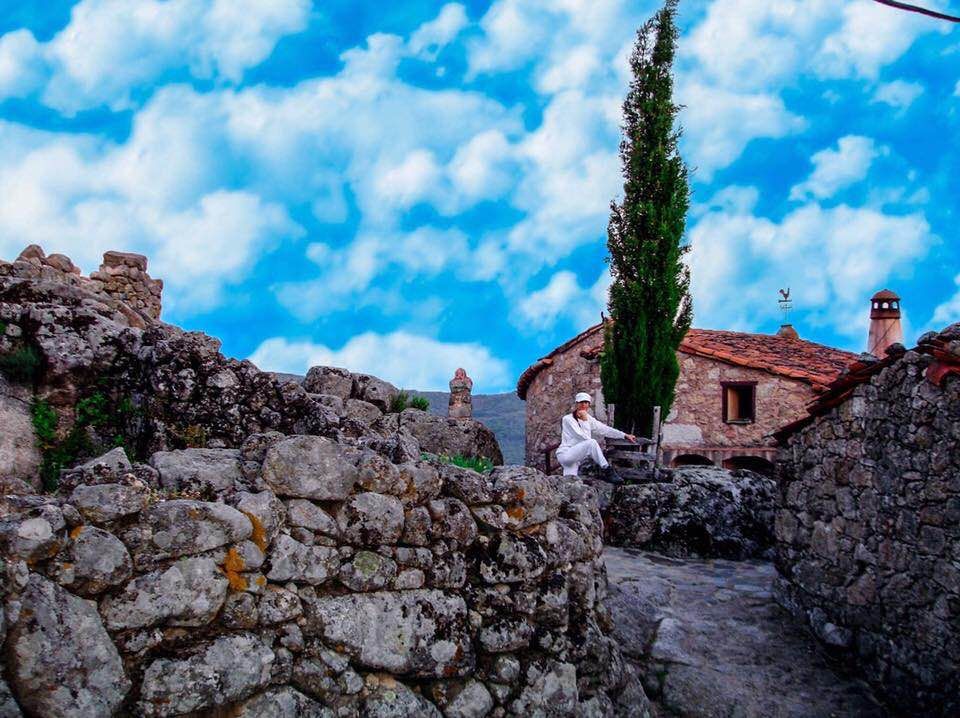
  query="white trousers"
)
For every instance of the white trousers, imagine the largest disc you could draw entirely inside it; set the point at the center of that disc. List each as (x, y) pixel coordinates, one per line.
(571, 457)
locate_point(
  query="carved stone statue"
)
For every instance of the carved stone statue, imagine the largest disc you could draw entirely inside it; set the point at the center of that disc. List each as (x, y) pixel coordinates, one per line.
(461, 404)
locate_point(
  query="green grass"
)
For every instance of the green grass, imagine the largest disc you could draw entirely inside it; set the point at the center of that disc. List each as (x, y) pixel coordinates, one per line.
(420, 402)
(21, 365)
(479, 464)
(403, 400)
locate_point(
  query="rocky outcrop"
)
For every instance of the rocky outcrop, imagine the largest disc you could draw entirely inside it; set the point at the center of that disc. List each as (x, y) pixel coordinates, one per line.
(696, 511)
(868, 530)
(446, 436)
(19, 457)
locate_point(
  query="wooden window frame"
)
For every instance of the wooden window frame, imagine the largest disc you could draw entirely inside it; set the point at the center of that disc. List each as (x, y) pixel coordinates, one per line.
(724, 385)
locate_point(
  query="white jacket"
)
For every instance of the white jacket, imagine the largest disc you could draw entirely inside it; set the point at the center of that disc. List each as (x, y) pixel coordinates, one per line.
(573, 431)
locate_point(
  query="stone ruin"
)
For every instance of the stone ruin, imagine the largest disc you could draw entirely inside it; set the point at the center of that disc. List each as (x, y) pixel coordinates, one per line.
(868, 531)
(257, 548)
(461, 403)
(122, 277)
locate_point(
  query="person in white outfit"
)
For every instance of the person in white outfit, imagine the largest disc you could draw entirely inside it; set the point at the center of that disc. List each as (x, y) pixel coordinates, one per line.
(577, 443)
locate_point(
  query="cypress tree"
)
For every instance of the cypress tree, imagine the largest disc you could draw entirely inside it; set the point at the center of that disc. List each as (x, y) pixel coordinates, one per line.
(649, 299)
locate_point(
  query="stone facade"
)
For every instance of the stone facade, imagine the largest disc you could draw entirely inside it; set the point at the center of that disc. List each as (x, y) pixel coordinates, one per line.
(695, 424)
(868, 533)
(695, 430)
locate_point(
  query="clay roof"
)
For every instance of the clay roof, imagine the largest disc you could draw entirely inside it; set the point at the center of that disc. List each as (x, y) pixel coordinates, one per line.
(944, 347)
(815, 364)
(884, 294)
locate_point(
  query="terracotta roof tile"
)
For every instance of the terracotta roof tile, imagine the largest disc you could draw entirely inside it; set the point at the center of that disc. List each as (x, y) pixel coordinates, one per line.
(799, 359)
(943, 347)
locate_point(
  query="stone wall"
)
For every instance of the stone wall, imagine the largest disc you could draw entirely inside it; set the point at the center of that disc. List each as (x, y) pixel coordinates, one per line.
(868, 533)
(122, 277)
(320, 578)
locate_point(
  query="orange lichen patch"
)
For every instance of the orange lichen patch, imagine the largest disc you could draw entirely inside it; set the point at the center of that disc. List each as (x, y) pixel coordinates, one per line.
(76, 532)
(516, 512)
(261, 580)
(233, 564)
(259, 536)
(66, 566)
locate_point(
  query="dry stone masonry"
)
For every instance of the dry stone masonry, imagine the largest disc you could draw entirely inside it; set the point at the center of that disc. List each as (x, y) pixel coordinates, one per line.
(868, 535)
(266, 548)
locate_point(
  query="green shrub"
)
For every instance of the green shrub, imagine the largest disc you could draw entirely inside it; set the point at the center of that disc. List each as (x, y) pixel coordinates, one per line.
(3, 327)
(399, 402)
(420, 402)
(21, 365)
(107, 419)
(479, 464)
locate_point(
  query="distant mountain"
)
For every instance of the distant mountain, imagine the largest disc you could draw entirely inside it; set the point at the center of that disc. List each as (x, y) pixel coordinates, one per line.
(504, 414)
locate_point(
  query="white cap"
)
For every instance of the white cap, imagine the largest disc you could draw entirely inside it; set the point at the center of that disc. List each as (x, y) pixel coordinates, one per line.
(582, 396)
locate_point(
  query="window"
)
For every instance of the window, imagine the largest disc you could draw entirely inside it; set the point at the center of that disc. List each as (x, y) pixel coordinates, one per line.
(739, 402)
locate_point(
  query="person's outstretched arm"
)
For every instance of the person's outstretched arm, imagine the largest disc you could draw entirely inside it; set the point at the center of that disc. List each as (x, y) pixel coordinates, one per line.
(598, 427)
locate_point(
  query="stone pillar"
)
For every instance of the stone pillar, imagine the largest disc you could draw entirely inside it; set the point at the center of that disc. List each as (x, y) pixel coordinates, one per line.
(461, 404)
(124, 277)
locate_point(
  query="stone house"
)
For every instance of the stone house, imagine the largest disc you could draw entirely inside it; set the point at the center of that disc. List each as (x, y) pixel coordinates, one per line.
(735, 389)
(868, 529)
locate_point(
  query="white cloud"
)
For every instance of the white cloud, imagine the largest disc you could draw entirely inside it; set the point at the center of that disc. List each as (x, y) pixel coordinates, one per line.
(899, 94)
(397, 357)
(113, 48)
(348, 273)
(836, 169)
(832, 259)
(868, 38)
(947, 312)
(755, 44)
(563, 297)
(436, 34)
(719, 124)
(21, 64)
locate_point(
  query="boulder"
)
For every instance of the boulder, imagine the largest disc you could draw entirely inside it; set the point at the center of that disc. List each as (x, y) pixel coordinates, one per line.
(370, 519)
(451, 437)
(181, 527)
(97, 560)
(19, 456)
(202, 470)
(389, 698)
(330, 380)
(304, 513)
(309, 467)
(420, 633)
(106, 469)
(34, 531)
(291, 560)
(702, 511)
(59, 658)
(228, 669)
(374, 391)
(188, 593)
(266, 513)
(368, 571)
(284, 702)
(103, 503)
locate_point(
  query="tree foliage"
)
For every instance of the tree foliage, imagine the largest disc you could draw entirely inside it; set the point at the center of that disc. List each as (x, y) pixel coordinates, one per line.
(649, 304)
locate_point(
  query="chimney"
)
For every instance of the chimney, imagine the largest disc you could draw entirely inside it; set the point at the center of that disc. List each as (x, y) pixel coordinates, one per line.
(885, 328)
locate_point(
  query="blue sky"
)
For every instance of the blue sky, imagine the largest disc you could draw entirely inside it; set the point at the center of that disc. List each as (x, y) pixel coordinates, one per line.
(404, 188)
